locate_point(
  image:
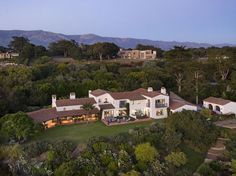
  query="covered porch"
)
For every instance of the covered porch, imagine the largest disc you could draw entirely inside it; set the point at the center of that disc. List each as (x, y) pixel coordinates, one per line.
(51, 117)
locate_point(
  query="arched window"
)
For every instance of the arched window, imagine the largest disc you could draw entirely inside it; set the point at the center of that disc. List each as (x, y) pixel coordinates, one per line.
(218, 108)
(210, 107)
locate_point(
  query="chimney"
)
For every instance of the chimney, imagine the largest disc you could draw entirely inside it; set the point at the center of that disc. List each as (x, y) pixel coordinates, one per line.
(54, 99)
(163, 90)
(150, 89)
(72, 95)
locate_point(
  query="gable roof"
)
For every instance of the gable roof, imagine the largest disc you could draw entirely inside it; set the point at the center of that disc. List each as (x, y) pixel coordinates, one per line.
(43, 114)
(72, 102)
(98, 92)
(51, 113)
(177, 102)
(144, 92)
(219, 101)
(127, 95)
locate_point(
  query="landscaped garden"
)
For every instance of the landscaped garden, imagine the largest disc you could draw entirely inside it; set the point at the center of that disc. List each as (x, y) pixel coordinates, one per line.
(82, 132)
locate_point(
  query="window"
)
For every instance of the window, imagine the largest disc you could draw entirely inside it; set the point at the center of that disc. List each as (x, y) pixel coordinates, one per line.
(160, 101)
(159, 112)
(122, 104)
(105, 100)
(99, 100)
(148, 103)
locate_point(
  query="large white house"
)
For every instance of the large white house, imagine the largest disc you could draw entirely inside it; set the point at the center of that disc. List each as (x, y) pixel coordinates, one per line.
(139, 103)
(220, 106)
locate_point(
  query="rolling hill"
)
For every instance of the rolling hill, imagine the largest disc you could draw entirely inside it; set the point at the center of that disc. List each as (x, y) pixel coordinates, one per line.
(40, 37)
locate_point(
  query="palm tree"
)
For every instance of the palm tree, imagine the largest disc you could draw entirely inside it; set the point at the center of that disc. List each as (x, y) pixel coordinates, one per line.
(88, 107)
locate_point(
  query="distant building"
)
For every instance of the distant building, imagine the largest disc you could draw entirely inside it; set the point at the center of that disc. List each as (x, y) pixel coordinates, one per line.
(137, 54)
(8, 55)
(219, 105)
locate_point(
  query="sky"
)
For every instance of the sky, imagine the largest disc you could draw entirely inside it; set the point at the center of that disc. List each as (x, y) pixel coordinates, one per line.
(209, 21)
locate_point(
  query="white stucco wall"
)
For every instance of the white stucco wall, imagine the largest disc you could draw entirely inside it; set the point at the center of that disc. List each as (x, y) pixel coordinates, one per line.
(206, 105)
(68, 108)
(137, 105)
(185, 107)
(153, 108)
(230, 108)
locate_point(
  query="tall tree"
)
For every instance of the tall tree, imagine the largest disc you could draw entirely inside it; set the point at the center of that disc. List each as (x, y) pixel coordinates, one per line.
(18, 43)
(197, 76)
(63, 47)
(104, 49)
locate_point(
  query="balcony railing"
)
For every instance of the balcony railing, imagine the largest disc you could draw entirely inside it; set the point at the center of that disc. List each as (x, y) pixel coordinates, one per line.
(160, 105)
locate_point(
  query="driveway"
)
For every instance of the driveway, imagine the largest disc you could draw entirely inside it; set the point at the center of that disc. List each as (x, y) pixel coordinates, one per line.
(231, 123)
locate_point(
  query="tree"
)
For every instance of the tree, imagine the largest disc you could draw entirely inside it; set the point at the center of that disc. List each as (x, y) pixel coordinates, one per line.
(197, 76)
(88, 107)
(145, 152)
(131, 173)
(67, 169)
(206, 113)
(178, 52)
(179, 78)
(177, 159)
(28, 51)
(18, 126)
(18, 43)
(39, 51)
(233, 167)
(103, 49)
(63, 47)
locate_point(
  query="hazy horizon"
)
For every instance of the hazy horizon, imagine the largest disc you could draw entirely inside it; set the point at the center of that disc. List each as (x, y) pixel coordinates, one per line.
(201, 21)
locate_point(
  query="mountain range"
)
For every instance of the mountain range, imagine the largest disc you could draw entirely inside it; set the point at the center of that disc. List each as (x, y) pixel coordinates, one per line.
(40, 37)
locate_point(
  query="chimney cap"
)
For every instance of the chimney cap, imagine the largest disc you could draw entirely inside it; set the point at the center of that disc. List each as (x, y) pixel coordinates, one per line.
(150, 89)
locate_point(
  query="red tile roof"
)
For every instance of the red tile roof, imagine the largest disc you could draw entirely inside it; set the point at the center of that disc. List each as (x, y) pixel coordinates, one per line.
(43, 114)
(146, 93)
(127, 95)
(72, 102)
(106, 106)
(219, 101)
(51, 113)
(177, 102)
(98, 92)
(76, 112)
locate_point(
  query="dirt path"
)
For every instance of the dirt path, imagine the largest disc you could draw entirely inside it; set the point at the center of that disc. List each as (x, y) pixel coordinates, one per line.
(217, 150)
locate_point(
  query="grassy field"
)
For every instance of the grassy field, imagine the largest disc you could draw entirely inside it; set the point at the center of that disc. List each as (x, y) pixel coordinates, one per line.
(82, 132)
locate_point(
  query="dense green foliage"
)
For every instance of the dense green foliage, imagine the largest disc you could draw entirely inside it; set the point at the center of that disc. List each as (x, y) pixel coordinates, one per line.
(141, 151)
(25, 88)
(18, 126)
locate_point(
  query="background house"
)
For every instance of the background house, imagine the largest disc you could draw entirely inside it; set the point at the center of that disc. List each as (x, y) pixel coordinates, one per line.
(219, 105)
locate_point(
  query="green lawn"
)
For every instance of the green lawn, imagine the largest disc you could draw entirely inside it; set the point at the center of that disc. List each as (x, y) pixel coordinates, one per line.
(82, 132)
